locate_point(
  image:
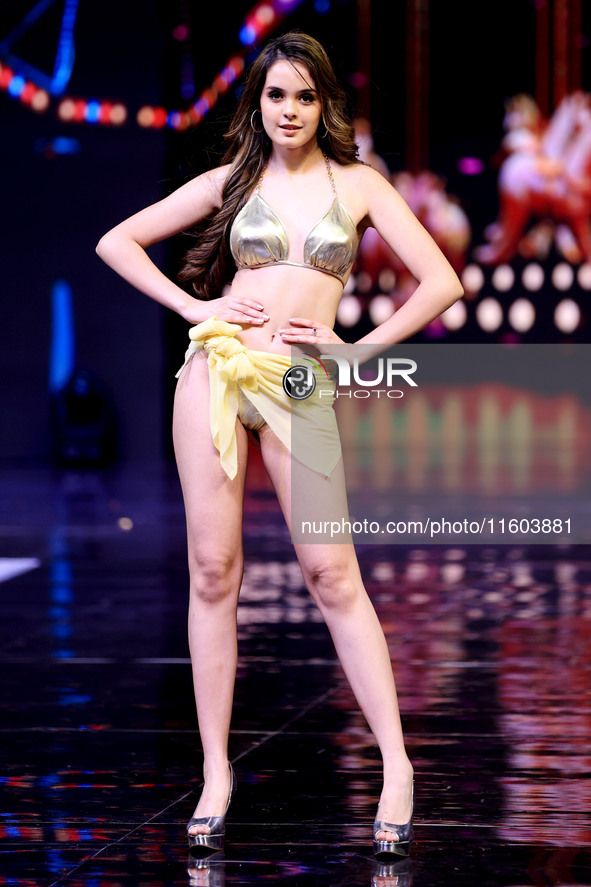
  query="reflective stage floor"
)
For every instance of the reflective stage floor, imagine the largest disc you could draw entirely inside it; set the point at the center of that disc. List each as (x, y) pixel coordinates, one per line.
(101, 759)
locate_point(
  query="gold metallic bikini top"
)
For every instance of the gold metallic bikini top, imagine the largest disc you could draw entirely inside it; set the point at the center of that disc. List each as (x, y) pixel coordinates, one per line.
(258, 238)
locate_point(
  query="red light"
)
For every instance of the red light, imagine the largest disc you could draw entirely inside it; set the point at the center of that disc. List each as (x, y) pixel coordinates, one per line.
(79, 110)
(27, 93)
(105, 112)
(6, 75)
(160, 117)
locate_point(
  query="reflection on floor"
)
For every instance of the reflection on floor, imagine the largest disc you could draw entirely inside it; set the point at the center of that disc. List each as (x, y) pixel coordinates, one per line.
(100, 757)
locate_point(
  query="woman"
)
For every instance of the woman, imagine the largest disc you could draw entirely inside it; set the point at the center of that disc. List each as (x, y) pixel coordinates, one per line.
(291, 153)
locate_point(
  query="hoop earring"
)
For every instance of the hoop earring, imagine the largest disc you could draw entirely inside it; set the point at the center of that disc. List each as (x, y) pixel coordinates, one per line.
(258, 131)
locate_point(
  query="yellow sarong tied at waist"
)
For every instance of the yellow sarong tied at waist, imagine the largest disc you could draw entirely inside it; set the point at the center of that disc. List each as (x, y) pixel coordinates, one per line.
(307, 428)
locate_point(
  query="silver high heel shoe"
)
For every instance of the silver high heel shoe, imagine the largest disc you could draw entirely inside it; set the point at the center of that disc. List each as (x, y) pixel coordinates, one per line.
(401, 847)
(214, 840)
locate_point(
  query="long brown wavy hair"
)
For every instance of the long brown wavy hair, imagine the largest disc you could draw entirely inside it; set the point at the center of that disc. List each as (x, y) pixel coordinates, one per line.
(209, 264)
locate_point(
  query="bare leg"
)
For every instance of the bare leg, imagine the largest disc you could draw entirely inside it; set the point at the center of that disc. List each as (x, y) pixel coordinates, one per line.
(333, 578)
(213, 505)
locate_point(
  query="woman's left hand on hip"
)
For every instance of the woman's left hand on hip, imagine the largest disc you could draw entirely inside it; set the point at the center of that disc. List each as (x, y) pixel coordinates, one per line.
(304, 330)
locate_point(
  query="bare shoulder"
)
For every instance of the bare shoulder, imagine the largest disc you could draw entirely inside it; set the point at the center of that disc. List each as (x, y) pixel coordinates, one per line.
(360, 186)
(212, 182)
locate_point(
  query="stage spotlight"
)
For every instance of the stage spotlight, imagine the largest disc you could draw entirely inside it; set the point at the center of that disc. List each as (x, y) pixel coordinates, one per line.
(79, 110)
(470, 166)
(387, 280)
(567, 316)
(472, 278)
(264, 15)
(40, 101)
(503, 278)
(6, 75)
(521, 315)
(145, 116)
(160, 118)
(65, 110)
(118, 114)
(27, 93)
(363, 282)
(489, 314)
(381, 308)
(247, 35)
(455, 316)
(532, 277)
(349, 311)
(584, 276)
(92, 112)
(16, 85)
(563, 276)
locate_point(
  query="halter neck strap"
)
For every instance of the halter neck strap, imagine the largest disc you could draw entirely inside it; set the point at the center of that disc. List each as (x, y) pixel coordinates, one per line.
(328, 169)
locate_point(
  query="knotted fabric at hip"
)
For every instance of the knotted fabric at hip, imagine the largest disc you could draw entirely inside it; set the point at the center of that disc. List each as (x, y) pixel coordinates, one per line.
(258, 375)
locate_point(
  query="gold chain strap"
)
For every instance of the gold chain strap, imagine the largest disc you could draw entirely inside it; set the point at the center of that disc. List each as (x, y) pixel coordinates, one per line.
(330, 175)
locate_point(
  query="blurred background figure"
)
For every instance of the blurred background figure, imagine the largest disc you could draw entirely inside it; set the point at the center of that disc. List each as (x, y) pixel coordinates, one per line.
(547, 174)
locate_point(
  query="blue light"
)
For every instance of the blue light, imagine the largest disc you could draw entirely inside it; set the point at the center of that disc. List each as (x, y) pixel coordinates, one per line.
(61, 357)
(61, 630)
(16, 86)
(75, 699)
(93, 110)
(66, 49)
(63, 145)
(322, 6)
(62, 594)
(59, 145)
(247, 35)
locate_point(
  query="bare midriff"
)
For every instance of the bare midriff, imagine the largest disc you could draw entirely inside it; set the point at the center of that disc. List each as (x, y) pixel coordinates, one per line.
(285, 292)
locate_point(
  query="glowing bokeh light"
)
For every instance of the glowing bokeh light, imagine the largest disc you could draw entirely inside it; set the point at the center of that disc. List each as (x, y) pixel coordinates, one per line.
(40, 101)
(381, 308)
(27, 93)
(387, 280)
(567, 316)
(264, 15)
(533, 277)
(358, 79)
(16, 85)
(92, 113)
(349, 311)
(472, 278)
(563, 276)
(503, 278)
(79, 110)
(145, 116)
(470, 166)
(455, 316)
(489, 314)
(363, 282)
(65, 110)
(584, 276)
(521, 315)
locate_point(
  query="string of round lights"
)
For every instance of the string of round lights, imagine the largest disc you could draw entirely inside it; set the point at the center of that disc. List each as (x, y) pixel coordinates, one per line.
(262, 18)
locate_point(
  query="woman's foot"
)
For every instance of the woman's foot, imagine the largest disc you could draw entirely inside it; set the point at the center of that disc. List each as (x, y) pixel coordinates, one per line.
(214, 796)
(396, 802)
